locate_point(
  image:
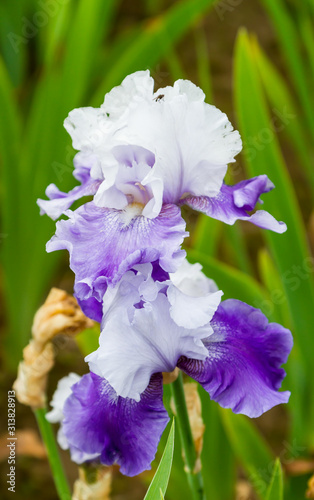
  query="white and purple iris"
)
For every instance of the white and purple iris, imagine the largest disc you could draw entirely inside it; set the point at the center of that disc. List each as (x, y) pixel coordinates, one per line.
(141, 156)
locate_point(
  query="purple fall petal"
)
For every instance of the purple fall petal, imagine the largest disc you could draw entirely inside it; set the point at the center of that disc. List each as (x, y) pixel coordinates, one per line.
(91, 307)
(59, 202)
(233, 202)
(118, 429)
(104, 243)
(242, 371)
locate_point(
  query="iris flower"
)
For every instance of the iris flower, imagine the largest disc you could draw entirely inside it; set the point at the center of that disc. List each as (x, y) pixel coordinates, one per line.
(142, 155)
(115, 413)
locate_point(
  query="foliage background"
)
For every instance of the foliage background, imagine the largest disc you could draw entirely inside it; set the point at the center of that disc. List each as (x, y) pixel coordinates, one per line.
(255, 61)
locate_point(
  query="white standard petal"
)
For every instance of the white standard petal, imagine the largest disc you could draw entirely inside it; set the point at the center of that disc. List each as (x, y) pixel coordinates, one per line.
(87, 127)
(192, 141)
(194, 298)
(135, 87)
(180, 87)
(62, 392)
(130, 353)
(192, 312)
(190, 279)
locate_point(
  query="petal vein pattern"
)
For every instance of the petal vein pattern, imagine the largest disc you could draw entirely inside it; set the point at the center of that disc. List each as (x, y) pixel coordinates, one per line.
(103, 244)
(119, 430)
(245, 352)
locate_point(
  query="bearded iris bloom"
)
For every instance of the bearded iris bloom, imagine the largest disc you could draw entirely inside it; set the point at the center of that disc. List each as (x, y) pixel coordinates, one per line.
(142, 155)
(116, 414)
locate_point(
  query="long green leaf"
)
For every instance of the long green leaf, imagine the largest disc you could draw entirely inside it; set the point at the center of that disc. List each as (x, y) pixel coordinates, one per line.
(275, 489)
(290, 43)
(202, 60)
(157, 36)
(278, 304)
(10, 132)
(235, 284)
(218, 460)
(250, 448)
(286, 115)
(161, 478)
(290, 250)
(205, 237)
(43, 152)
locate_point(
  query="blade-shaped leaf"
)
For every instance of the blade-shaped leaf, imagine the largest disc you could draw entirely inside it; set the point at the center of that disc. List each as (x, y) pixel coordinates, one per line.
(157, 36)
(270, 277)
(286, 114)
(161, 478)
(218, 460)
(275, 488)
(290, 43)
(290, 250)
(250, 449)
(235, 284)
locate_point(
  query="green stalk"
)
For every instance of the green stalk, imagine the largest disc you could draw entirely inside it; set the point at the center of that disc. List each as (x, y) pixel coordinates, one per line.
(195, 479)
(48, 437)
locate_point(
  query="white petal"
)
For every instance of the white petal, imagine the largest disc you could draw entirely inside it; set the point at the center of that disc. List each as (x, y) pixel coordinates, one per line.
(192, 312)
(192, 141)
(62, 392)
(87, 126)
(135, 87)
(190, 279)
(130, 353)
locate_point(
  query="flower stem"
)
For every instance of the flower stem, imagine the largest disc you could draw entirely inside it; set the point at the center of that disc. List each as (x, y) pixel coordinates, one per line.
(195, 479)
(48, 437)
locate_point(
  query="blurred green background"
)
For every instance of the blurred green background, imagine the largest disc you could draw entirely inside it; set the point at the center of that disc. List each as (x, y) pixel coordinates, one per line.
(255, 60)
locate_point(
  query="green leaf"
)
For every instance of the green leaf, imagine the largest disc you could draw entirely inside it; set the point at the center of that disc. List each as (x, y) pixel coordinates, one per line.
(156, 38)
(88, 340)
(218, 460)
(290, 250)
(235, 246)
(275, 489)
(250, 449)
(10, 132)
(161, 477)
(271, 279)
(290, 43)
(206, 235)
(202, 60)
(234, 283)
(283, 105)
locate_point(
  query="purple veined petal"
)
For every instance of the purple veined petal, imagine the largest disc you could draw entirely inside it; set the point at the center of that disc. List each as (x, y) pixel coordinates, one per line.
(91, 307)
(59, 202)
(233, 202)
(105, 243)
(56, 415)
(242, 371)
(135, 287)
(120, 430)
